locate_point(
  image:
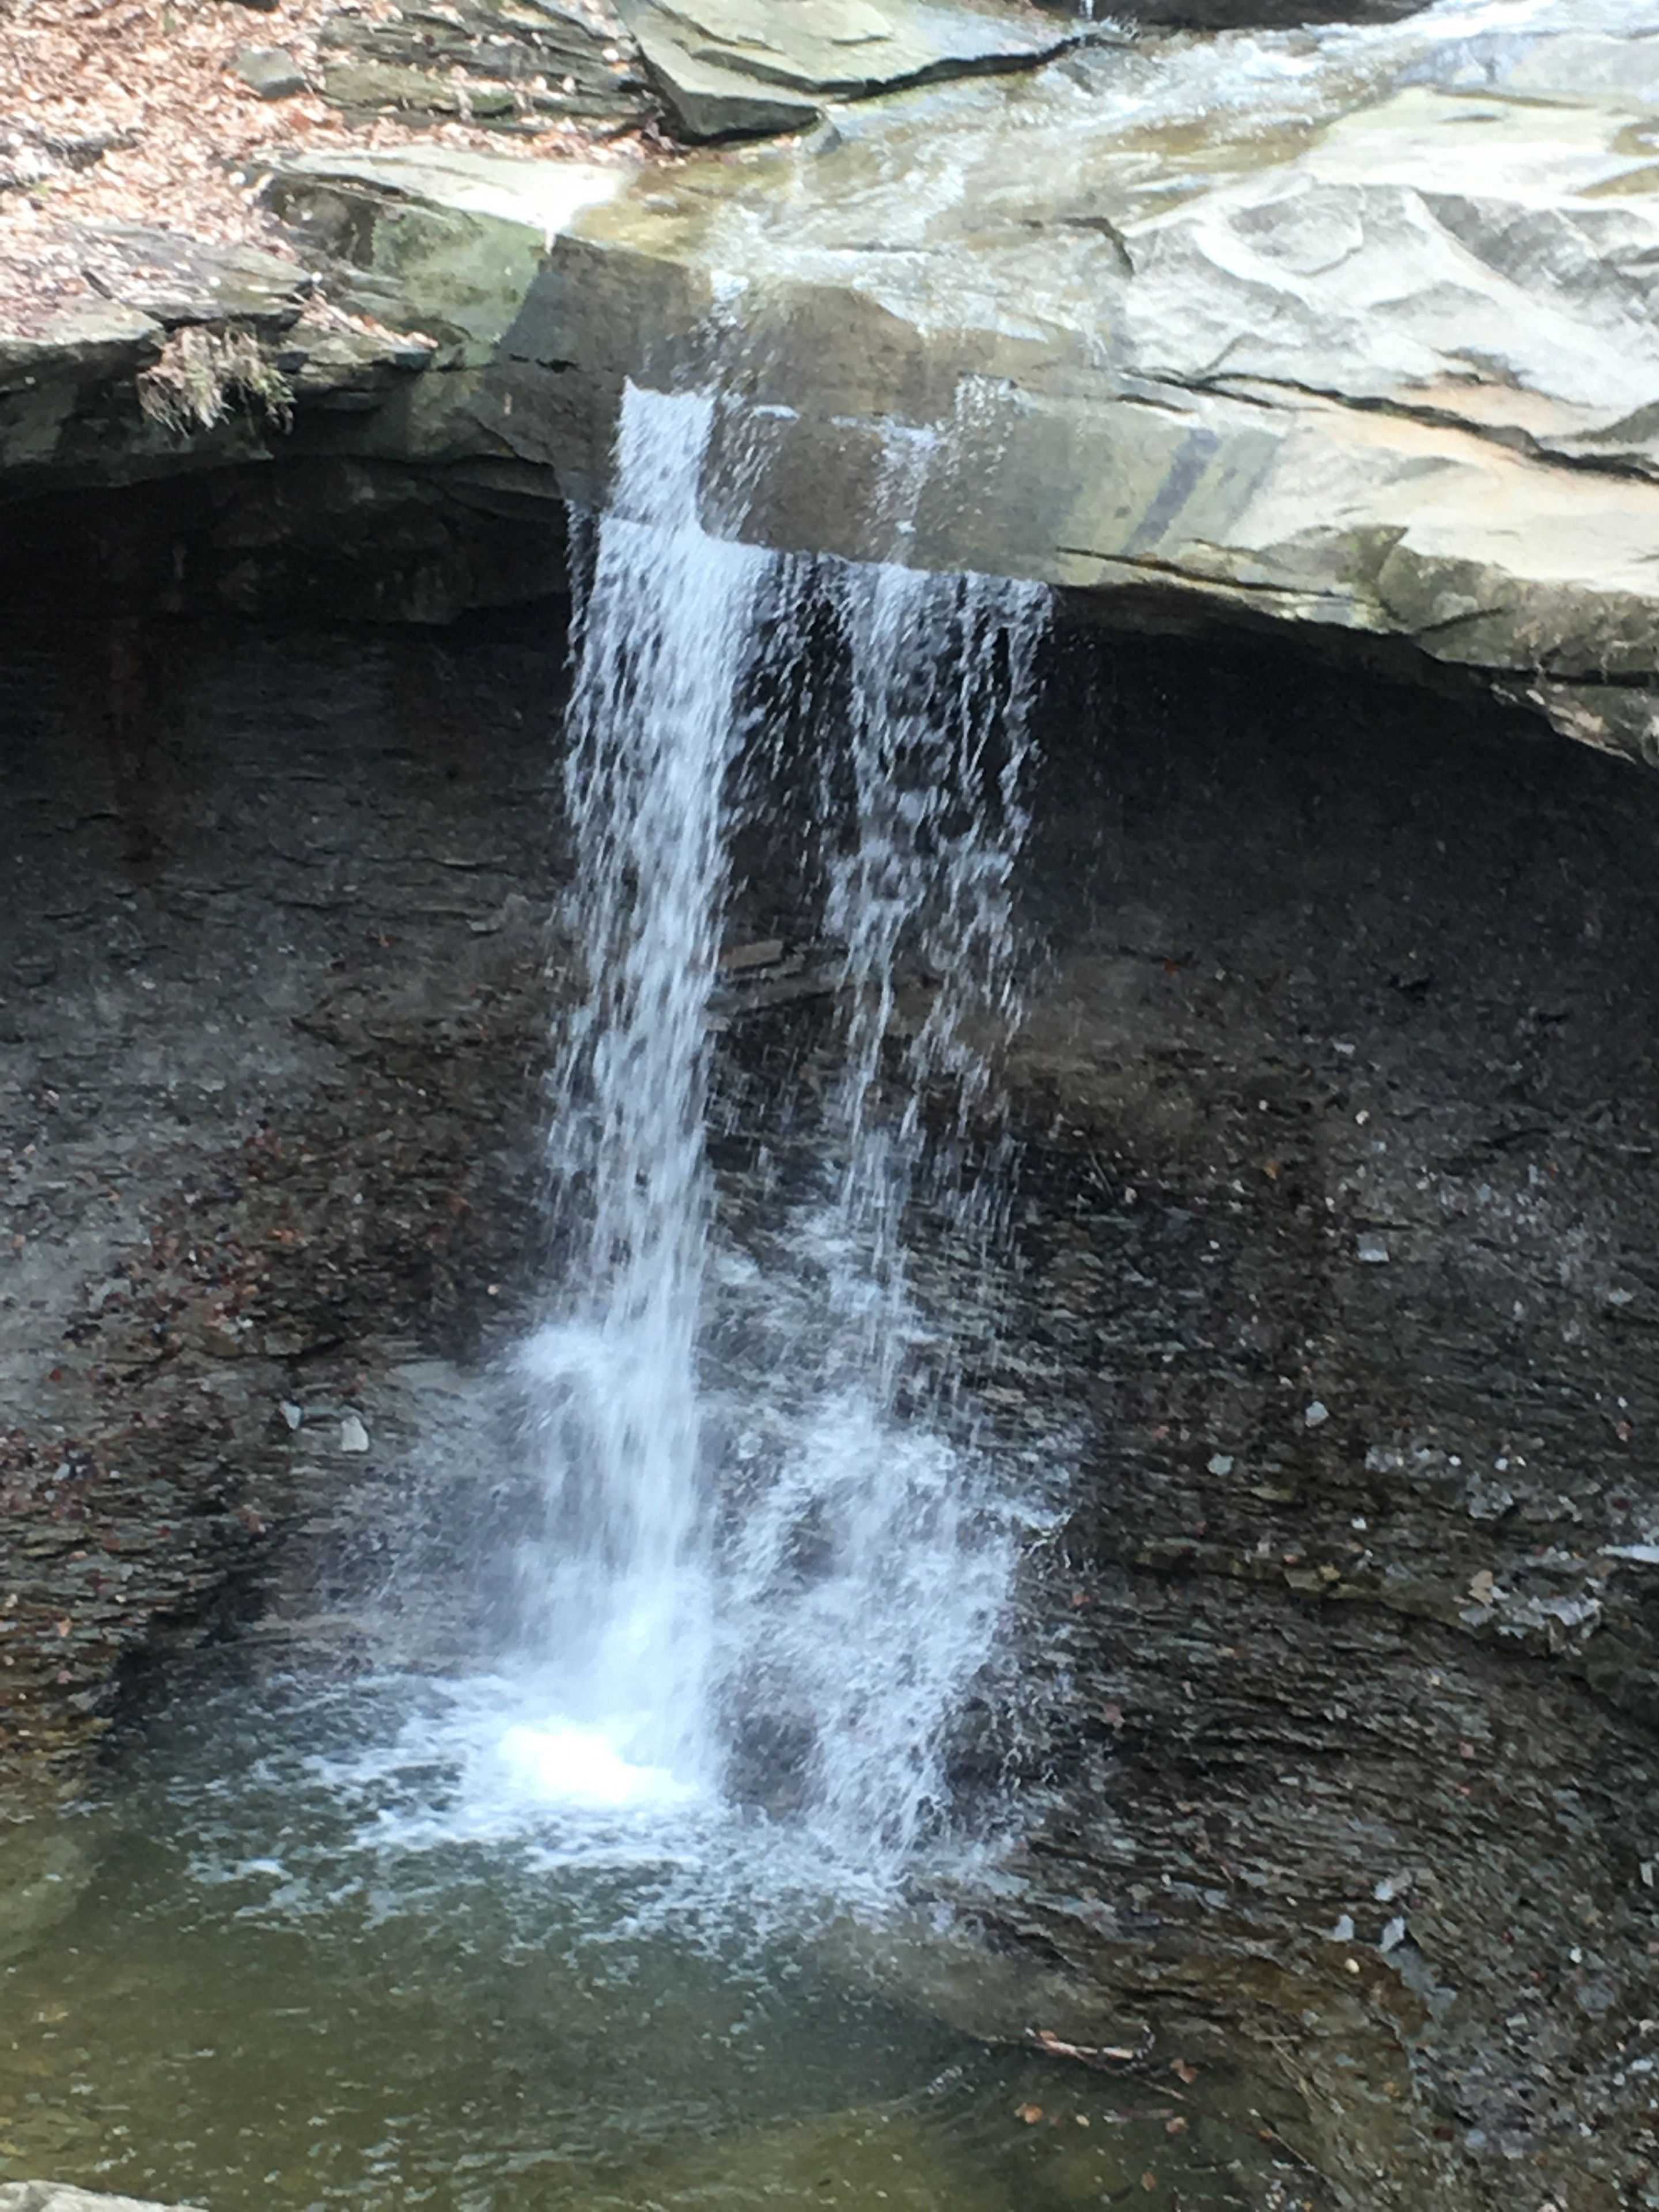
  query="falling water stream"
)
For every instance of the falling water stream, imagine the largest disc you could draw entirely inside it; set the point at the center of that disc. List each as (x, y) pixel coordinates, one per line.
(518, 1935)
(653, 1617)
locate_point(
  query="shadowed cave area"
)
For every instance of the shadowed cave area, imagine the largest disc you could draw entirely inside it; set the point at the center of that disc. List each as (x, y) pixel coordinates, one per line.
(1322, 1728)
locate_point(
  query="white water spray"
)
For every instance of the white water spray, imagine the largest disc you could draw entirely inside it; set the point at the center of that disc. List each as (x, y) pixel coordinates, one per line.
(625, 1607)
(837, 1598)
(879, 1486)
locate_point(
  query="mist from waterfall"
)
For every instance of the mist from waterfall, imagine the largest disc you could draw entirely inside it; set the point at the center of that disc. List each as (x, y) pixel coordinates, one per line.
(832, 1591)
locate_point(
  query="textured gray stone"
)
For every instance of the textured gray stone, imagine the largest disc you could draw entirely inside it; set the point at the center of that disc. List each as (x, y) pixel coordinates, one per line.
(735, 68)
(514, 64)
(271, 71)
(1298, 332)
(78, 389)
(1349, 329)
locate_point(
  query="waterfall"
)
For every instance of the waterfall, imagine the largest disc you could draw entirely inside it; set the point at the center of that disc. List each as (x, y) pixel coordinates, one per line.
(625, 1607)
(831, 1593)
(910, 1554)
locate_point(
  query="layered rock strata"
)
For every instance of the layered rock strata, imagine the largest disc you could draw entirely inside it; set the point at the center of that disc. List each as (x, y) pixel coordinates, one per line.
(1346, 331)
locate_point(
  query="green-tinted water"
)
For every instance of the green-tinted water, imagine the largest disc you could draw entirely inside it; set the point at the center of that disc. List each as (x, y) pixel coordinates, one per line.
(271, 1967)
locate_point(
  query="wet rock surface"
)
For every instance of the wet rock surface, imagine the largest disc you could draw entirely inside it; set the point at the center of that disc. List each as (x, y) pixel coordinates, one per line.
(1340, 330)
(1340, 1105)
(276, 990)
(60, 2196)
(1328, 1715)
(1263, 14)
(1344, 328)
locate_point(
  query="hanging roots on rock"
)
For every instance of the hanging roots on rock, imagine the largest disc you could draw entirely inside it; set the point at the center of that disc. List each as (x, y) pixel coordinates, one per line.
(201, 372)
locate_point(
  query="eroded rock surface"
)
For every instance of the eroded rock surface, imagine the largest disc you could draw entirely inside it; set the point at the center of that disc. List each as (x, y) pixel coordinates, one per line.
(275, 962)
(1340, 1106)
(1353, 334)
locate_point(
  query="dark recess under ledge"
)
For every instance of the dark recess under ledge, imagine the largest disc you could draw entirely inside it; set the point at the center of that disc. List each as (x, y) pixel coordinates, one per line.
(1327, 960)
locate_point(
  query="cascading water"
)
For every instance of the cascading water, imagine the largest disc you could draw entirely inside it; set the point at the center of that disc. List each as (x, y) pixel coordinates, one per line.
(840, 1594)
(625, 1606)
(910, 1552)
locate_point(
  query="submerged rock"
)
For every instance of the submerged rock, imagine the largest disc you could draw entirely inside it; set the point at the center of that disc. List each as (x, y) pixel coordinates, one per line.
(737, 68)
(61, 2197)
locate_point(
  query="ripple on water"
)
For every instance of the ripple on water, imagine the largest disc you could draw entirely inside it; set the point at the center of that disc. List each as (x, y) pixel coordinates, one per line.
(307, 1960)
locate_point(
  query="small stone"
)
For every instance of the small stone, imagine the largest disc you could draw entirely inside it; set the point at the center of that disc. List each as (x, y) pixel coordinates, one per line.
(1316, 1415)
(1392, 1935)
(1343, 1931)
(1221, 1462)
(1372, 1251)
(270, 71)
(291, 1413)
(736, 958)
(354, 1436)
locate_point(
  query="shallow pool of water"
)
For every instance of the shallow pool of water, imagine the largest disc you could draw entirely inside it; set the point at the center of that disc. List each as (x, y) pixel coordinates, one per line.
(282, 1959)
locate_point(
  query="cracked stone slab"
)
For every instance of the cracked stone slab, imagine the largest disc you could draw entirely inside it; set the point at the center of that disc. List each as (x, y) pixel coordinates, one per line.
(515, 65)
(73, 387)
(1349, 328)
(185, 280)
(734, 67)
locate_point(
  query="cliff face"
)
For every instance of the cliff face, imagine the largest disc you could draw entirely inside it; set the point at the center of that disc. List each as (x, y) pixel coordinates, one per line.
(1322, 1732)
(1340, 1727)
(1347, 330)
(1332, 1702)
(1350, 334)
(273, 1025)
